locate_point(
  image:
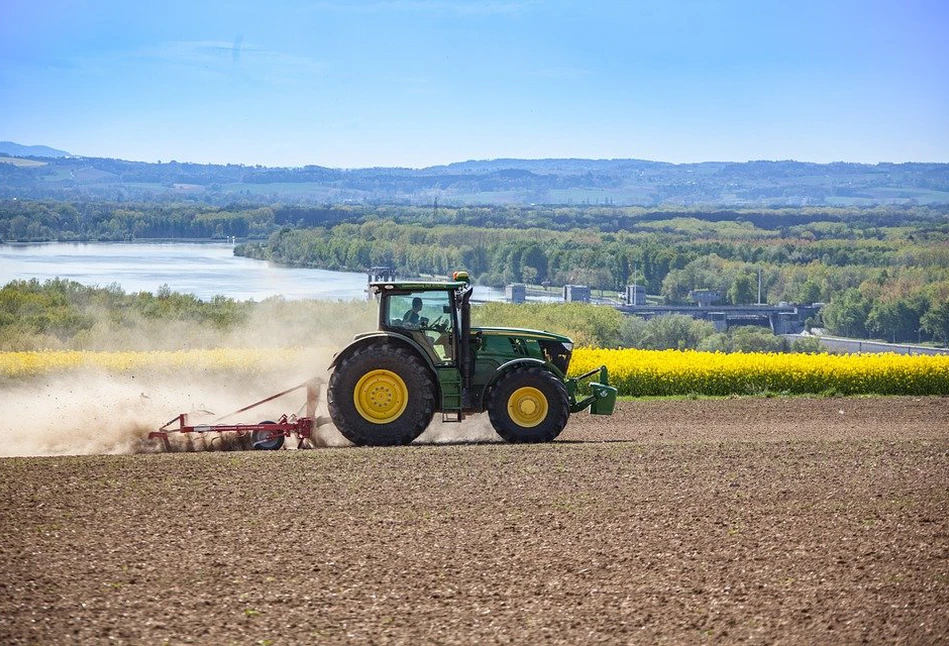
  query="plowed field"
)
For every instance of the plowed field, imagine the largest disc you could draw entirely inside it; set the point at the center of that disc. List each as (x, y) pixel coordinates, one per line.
(746, 520)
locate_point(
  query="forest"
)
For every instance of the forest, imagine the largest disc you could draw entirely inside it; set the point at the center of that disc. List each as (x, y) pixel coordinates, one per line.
(883, 272)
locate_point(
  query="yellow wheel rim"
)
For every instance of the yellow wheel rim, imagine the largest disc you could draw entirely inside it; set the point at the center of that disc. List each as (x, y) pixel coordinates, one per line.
(527, 407)
(380, 396)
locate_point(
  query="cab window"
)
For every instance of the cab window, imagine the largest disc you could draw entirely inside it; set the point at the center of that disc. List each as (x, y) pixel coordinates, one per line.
(426, 316)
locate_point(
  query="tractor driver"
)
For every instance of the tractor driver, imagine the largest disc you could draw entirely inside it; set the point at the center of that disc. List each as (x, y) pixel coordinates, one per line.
(411, 317)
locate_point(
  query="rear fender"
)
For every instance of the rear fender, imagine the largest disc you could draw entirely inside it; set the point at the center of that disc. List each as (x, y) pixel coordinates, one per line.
(374, 337)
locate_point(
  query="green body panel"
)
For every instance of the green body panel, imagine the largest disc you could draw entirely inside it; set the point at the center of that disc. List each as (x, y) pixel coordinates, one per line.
(522, 333)
(449, 382)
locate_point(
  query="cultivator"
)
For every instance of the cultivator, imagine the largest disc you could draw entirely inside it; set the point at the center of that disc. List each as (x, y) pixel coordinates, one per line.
(268, 435)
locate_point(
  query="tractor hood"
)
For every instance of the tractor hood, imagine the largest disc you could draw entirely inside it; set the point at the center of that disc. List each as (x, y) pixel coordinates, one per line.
(506, 344)
(524, 333)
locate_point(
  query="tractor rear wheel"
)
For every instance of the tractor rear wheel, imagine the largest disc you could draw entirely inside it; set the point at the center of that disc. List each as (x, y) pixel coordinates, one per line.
(528, 404)
(381, 395)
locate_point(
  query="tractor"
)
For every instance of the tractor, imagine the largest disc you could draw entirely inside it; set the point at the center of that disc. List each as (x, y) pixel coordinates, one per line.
(426, 358)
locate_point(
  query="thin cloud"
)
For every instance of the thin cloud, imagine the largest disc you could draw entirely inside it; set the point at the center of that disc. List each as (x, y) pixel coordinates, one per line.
(224, 57)
(461, 7)
(236, 48)
(219, 53)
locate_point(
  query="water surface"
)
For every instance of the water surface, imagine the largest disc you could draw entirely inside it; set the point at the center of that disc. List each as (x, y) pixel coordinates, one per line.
(205, 269)
(202, 269)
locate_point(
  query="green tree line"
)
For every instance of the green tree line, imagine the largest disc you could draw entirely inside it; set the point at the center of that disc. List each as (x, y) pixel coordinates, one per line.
(62, 314)
(40, 221)
(887, 284)
(27, 220)
(883, 271)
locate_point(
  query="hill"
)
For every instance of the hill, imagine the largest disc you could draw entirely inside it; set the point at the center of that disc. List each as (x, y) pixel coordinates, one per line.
(612, 182)
(18, 150)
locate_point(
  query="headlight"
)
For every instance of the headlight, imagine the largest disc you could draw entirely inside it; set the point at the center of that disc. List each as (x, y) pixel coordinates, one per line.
(568, 347)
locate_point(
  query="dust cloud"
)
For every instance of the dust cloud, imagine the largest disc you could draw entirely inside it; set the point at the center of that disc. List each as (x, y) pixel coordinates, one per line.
(95, 412)
(474, 429)
(91, 412)
(272, 323)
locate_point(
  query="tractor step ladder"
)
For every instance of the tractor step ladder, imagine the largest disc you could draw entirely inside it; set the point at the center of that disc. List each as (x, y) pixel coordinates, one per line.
(452, 408)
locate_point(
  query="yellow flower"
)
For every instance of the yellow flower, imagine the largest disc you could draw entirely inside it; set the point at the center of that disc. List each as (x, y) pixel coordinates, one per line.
(674, 372)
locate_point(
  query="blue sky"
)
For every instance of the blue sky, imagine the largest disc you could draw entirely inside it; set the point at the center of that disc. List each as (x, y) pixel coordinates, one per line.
(421, 82)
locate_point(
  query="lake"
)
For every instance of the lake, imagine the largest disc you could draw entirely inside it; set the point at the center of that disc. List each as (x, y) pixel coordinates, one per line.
(203, 269)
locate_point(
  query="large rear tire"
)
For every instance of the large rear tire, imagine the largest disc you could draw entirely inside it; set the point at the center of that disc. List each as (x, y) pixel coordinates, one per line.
(381, 395)
(528, 405)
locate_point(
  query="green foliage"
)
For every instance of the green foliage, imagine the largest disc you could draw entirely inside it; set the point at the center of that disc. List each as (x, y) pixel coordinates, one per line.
(25, 220)
(60, 314)
(847, 314)
(671, 331)
(807, 345)
(809, 292)
(896, 320)
(936, 321)
(718, 342)
(586, 324)
(756, 339)
(30, 310)
(742, 291)
(680, 332)
(543, 181)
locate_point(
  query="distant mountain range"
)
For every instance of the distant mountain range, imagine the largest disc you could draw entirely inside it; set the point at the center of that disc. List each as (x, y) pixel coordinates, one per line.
(55, 174)
(18, 150)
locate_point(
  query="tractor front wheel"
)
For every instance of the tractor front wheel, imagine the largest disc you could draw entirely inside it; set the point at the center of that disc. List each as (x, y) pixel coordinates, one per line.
(528, 405)
(381, 395)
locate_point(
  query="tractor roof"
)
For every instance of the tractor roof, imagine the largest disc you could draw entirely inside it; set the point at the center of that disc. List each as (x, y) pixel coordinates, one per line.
(416, 285)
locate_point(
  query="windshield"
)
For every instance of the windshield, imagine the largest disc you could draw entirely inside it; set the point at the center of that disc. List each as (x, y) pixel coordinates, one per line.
(426, 317)
(415, 310)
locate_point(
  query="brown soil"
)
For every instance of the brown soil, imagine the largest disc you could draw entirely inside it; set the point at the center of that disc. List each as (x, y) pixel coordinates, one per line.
(748, 520)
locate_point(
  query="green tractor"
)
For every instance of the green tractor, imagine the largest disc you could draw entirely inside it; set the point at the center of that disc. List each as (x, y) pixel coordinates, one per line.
(387, 385)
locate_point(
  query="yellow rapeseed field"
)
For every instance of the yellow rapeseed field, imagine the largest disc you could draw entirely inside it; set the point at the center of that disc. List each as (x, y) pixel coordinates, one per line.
(16, 365)
(633, 372)
(674, 372)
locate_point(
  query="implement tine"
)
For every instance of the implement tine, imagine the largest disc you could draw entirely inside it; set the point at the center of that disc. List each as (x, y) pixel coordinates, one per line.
(179, 419)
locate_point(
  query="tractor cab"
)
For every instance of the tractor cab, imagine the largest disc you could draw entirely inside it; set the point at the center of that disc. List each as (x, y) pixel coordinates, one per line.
(428, 316)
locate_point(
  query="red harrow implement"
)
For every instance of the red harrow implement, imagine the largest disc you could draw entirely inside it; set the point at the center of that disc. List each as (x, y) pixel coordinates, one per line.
(268, 435)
